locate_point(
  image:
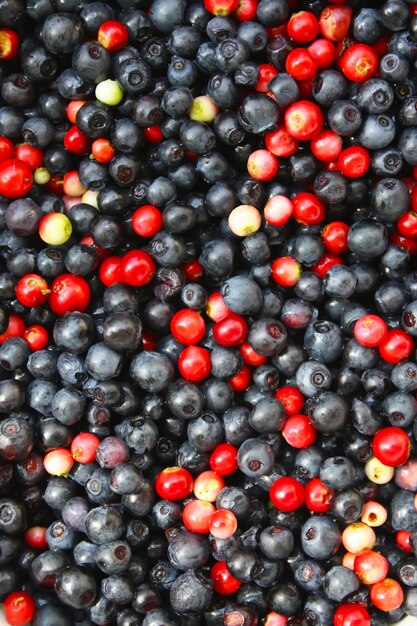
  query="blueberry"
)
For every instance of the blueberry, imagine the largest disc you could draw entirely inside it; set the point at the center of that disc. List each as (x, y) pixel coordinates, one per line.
(320, 537)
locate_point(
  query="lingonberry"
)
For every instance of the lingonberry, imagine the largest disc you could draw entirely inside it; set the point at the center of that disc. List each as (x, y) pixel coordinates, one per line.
(397, 346)
(69, 293)
(223, 459)
(351, 614)
(298, 431)
(32, 290)
(223, 524)
(291, 398)
(58, 462)
(84, 446)
(391, 446)
(194, 363)
(208, 485)
(370, 567)
(223, 582)
(188, 327)
(196, 516)
(287, 494)
(387, 595)
(370, 331)
(174, 483)
(55, 229)
(147, 220)
(286, 271)
(19, 608)
(318, 497)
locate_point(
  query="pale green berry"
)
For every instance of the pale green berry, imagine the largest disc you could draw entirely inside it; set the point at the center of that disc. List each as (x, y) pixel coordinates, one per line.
(41, 176)
(109, 92)
(203, 109)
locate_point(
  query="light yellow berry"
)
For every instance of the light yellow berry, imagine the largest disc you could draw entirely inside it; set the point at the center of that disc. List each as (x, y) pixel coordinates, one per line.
(203, 109)
(109, 92)
(377, 472)
(244, 220)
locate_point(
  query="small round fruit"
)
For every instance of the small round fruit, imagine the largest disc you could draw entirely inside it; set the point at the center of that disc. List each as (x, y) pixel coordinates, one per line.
(55, 229)
(19, 608)
(391, 446)
(244, 220)
(58, 462)
(287, 494)
(174, 483)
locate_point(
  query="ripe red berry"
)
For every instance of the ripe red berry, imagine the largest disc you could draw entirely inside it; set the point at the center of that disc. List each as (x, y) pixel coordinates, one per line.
(223, 582)
(286, 271)
(174, 483)
(69, 293)
(359, 62)
(35, 536)
(102, 150)
(187, 327)
(325, 262)
(19, 608)
(194, 363)
(221, 7)
(36, 337)
(298, 431)
(308, 209)
(15, 178)
(7, 149)
(15, 328)
(109, 271)
(318, 497)
(262, 165)
(303, 26)
(84, 446)
(231, 330)
(323, 52)
(391, 446)
(387, 595)
(403, 540)
(370, 331)
(246, 10)
(291, 398)
(280, 142)
(240, 381)
(196, 516)
(75, 141)
(137, 268)
(250, 356)
(351, 614)
(266, 73)
(397, 346)
(287, 494)
(147, 221)
(327, 145)
(304, 120)
(354, 161)
(334, 236)
(113, 35)
(9, 44)
(301, 65)
(223, 459)
(32, 156)
(32, 290)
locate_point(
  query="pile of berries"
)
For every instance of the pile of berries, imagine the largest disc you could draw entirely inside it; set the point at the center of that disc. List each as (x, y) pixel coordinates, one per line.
(208, 312)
